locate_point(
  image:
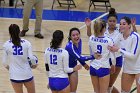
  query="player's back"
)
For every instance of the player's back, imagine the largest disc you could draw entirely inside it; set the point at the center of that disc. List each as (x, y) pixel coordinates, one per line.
(55, 59)
(100, 45)
(18, 61)
(17, 53)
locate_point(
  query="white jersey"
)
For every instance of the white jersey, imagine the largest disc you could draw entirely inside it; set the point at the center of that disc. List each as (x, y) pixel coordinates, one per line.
(100, 45)
(115, 36)
(58, 61)
(130, 48)
(19, 67)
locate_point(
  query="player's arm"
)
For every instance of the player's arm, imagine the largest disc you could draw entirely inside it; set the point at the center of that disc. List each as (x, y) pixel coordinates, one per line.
(79, 57)
(111, 54)
(47, 68)
(5, 57)
(30, 53)
(133, 22)
(112, 59)
(46, 63)
(88, 24)
(134, 49)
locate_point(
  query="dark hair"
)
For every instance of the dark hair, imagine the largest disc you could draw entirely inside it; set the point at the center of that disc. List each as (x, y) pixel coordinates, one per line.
(112, 13)
(99, 25)
(57, 39)
(14, 31)
(127, 19)
(72, 29)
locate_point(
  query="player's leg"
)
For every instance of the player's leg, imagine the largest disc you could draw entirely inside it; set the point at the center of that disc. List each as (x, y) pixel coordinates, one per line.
(73, 78)
(113, 78)
(104, 78)
(94, 79)
(104, 83)
(18, 87)
(54, 91)
(126, 82)
(30, 85)
(138, 82)
(95, 83)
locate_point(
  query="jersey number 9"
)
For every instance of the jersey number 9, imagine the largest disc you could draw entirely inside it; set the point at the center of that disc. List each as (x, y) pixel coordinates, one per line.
(99, 49)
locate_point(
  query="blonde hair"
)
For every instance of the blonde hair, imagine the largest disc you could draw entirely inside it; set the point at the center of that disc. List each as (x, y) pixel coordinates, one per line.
(99, 25)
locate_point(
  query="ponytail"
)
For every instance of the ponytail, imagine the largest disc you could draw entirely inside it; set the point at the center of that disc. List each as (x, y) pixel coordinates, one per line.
(57, 39)
(14, 31)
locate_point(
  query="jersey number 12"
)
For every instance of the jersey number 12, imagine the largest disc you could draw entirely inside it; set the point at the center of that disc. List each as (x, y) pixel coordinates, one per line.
(53, 59)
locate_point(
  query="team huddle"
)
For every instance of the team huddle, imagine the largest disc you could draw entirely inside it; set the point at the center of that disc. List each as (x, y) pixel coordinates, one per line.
(111, 48)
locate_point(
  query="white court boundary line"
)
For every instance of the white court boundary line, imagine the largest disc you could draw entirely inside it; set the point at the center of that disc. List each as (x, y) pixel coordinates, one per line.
(42, 20)
(64, 21)
(94, 20)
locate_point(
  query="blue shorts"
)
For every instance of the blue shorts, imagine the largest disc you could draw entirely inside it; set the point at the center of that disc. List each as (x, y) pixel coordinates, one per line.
(101, 72)
(22, 81)
(70, 73)
(119, 61)
(58, 84)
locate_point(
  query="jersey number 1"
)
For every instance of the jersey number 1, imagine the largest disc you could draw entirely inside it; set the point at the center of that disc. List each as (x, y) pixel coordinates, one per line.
(53, 59)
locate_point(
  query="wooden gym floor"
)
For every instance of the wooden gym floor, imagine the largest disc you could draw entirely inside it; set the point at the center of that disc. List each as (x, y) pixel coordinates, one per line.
(48, 27)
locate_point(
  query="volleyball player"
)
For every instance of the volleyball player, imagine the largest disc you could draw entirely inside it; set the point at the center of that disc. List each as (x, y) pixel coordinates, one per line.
(74, 48)
(100, 69)
(57, 64)
(17, 51)
(112, 31)
(130, 49)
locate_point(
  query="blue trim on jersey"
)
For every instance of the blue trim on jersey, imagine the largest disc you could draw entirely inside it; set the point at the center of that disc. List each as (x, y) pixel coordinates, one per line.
(75, 54)
(22, 81)
(136, 43)
(58, 84)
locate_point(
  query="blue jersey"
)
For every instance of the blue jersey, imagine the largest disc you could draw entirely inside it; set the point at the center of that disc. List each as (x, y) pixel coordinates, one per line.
(75, 54)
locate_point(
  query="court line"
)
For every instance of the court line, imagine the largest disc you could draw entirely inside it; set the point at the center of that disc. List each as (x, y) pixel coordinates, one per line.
(95, 19)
